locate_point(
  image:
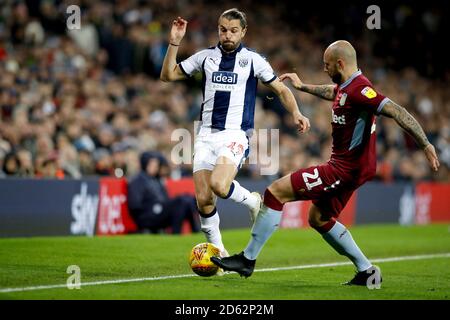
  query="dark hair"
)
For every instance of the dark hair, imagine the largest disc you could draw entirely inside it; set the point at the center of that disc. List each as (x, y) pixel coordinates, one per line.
(235, 14)
(8, 157)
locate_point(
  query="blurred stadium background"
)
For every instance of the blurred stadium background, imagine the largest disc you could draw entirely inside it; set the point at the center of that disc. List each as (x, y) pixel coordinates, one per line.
(78, 107)
(90, 100)
(86, 103)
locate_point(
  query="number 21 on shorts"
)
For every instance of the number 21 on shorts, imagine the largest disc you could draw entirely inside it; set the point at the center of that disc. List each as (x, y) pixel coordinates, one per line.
(312, 180)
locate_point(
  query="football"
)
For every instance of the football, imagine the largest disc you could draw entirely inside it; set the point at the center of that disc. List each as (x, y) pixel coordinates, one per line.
(199, 259)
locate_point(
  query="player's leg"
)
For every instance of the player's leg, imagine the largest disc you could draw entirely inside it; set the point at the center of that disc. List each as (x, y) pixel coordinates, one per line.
(303, 184)
(206, 200)
(204, 160)
(232, 148)
(224, 185)
(269, 216)
(222, 177)
(338, 236)
(267, 221)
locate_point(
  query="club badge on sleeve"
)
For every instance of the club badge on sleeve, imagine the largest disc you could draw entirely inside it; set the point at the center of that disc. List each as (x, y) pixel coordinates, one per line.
(369, 92)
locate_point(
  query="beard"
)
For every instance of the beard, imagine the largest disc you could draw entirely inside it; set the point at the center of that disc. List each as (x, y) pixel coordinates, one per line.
(336, 78)
(229, 46)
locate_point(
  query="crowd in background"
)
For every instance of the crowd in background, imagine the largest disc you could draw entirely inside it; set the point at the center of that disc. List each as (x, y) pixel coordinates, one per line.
(76, 103)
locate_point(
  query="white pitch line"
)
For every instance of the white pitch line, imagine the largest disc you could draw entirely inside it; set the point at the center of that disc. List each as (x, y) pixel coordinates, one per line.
(96, 283)
(338, 264)
(309, 266)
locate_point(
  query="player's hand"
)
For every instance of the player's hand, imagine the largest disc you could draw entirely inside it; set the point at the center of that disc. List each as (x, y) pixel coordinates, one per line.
(295, 80)
(302, 123)
(432, 157)
(178, 30)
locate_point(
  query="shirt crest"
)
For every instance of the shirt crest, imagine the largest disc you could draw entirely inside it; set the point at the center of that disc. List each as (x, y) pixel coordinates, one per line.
(243, 62)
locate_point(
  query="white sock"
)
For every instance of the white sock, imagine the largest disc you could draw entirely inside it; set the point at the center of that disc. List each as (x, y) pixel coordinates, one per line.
(341, 240)
(265, 225)
(241, 195)
(210, 227)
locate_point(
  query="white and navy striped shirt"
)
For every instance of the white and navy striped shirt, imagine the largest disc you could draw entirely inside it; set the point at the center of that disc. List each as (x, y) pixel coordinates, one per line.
(229, 85)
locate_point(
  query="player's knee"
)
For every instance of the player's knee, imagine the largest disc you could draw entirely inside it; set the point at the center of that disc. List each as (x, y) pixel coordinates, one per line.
(314, 217)
(278, 189)
(220, 187)
(271, 201)
(275, 187)
(204, 199)
(314, 221)
(319, 223)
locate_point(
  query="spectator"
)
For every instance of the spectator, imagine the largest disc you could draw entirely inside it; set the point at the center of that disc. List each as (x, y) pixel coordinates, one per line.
(49, 168)
(150, 205)
(107, 91)
(86, 161)
(26, 168)
(103, 162)
(11, 164)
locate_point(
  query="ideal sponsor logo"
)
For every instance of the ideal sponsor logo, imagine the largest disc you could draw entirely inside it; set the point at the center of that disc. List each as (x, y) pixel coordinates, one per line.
(338, 119)
(224, 77)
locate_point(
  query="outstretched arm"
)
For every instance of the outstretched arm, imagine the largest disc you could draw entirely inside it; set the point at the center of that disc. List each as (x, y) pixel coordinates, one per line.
(408, 123)
(170, 70)
(325, 91)
(288, 101)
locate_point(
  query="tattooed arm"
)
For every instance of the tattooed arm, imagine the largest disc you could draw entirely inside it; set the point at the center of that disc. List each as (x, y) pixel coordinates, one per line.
(408, 123)
(325, 91)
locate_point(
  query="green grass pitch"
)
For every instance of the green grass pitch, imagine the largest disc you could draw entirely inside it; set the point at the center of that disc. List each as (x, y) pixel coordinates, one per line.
(31, 262)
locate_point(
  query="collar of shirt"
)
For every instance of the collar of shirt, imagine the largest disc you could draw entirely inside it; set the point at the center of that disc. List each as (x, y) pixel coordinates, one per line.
(349, 80)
